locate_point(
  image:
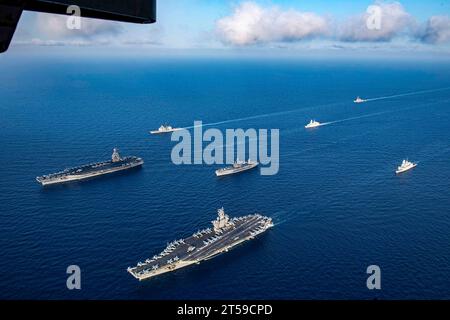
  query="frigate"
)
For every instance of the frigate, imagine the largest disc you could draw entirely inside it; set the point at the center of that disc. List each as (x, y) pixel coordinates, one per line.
(313, 124)
(164, 129)
(405, 166)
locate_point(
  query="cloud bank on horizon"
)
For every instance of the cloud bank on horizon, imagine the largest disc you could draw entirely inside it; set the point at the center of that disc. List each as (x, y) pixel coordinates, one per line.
(394, 22)
(54, 32)
(437, 30)
(250, 24)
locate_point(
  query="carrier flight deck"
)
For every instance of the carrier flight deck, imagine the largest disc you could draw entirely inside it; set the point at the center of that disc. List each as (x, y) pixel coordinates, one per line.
(203, 245)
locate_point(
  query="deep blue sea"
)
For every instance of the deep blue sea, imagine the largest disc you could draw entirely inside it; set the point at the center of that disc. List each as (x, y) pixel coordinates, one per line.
(336, 202)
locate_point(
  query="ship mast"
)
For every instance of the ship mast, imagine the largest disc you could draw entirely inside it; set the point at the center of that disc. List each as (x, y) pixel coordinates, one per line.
(116, 156)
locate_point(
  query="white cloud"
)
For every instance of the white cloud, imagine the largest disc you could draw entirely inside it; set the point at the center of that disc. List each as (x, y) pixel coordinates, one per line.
(249, 24)
(54, 43)
(394, 20)
(253, 24)
(55, 26)
(436, 30)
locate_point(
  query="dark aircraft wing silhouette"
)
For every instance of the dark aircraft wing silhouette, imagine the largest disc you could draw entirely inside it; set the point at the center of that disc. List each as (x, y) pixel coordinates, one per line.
(137, 11)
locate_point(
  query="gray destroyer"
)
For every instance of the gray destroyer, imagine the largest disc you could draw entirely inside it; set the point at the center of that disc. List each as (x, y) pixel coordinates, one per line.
(117, 163)
(237, 167)
(203, 245)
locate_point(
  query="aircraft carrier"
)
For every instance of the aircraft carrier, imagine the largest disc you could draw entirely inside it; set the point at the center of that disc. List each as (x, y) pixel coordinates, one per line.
(203, 245)
(117, 163)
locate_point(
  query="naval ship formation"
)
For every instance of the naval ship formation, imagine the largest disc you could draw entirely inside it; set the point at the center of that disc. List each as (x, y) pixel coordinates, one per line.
(117, 163)
(203, 245)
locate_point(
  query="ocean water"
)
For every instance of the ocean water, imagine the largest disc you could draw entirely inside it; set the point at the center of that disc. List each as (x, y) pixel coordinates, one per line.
(336, 202)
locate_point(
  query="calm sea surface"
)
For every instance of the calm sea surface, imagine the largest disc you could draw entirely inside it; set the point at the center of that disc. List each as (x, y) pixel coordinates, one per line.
(336, 202)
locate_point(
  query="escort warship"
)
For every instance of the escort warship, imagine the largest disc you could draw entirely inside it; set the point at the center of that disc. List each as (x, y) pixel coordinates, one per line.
(237, 167)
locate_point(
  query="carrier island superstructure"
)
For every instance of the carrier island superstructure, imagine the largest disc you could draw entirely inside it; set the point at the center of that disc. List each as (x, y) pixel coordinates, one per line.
(117, 163)
(203, 245)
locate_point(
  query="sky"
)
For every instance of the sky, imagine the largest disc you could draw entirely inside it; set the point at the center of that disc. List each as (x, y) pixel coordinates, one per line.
(265, 26)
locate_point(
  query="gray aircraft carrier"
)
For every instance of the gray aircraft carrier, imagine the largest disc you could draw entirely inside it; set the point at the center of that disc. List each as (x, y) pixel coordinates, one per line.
(203, 245)
(117, 163)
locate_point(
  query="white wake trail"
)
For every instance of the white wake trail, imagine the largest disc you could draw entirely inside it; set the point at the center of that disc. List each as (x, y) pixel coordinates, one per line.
(406, 94)
(297, 129)
(385, 112)
(280, 113)
(358, 117)
(241, 119)
(264, 115)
